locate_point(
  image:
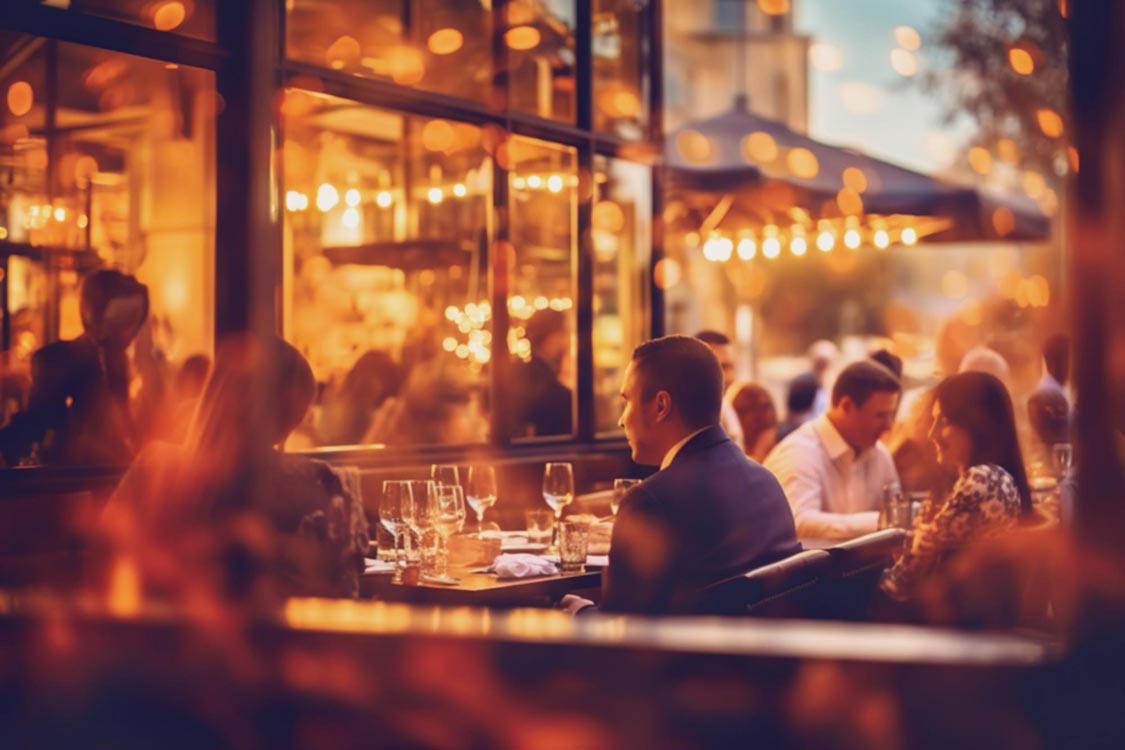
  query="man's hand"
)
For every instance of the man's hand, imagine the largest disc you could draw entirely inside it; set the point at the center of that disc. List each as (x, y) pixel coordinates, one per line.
(571, 603)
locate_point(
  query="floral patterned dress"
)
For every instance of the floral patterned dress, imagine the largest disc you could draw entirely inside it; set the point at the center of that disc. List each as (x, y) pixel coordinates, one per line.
(985, 500)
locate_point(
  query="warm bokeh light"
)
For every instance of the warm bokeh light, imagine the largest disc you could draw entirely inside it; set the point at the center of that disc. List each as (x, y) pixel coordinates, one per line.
(459, 190)
(908, 38)
(384, 199)
(854, 179)
(667, 273)
(607, 216)
(1034, 184)
(445, 41)
(759, 147)
(343, 53)
(980, 160)
(904, 62)
(406, 64)
(852, 239)
(350, 219)
(1050, 122)
(825, 57)
(881, 239)
(954, 284)
(798, 246)
(1072, 158)
(326, 197)
(168, 16)
(695, 147)
(1003, 221)
(1008, 151)
(860, 98)
(1064, 8)
(352, 197)
(522, 37)
(21, 97)
(296, 201)
(747, 248)
(618, 101)
(771, 247)
(1021, 61)
(802, 163)
(825, 241)
(555, 183)
(909, 236)
(437, 135)
(774, 7)
(849, 202)
(434, 195)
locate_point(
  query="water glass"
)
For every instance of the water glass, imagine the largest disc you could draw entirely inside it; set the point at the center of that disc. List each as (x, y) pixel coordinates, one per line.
(448, 512)
(480, 491)
(419, 522)
(574, 541)
(540, 526)
(1064, 458)
(620, 487)
(397, 500)
(445, 474)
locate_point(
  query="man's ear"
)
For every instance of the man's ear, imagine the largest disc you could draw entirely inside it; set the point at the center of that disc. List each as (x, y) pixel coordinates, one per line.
(663, 405)
(847, 405)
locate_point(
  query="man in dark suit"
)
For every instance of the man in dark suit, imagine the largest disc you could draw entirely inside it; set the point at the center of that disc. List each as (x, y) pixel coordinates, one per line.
(710, 512)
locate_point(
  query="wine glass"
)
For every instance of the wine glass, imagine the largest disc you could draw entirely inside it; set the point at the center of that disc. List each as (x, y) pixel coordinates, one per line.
(397, 498)
(445, 474)
(448, 512)
(480, 490)
(558, 488)
(417, 514)
(620, 487)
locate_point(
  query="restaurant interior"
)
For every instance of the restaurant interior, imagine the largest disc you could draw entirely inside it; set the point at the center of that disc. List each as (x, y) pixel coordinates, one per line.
(389, 254)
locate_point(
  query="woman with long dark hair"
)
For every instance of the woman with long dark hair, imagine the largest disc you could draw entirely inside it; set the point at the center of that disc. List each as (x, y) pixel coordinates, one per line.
(973, 432)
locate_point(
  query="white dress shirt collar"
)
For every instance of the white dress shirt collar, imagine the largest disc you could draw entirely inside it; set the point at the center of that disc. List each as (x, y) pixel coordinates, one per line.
(675, 449)
(833, 441)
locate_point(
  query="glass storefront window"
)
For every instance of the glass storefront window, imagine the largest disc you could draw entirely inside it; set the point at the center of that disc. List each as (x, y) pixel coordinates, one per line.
(443, 46)
(387, 286)
(622, 239)
(543, 190)
(540, 51)
(193, 18)
(621, 64)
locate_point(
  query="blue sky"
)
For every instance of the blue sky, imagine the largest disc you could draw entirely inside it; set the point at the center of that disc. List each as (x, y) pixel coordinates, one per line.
(907, 126)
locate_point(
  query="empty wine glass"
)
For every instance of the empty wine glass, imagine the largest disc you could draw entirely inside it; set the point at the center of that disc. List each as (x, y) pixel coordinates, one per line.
(417, 514)
(620, 487)
(445, 474)
(448, 511)
(480, 491)
(393, 506)
(558, 488)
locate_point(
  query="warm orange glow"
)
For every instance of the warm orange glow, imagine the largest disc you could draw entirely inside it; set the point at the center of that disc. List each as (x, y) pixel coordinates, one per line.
(168, 16)
(445, 41)
(908, 38)
(124, 588)
(21, 97)
(849, 202)
(909, 236)
(852, 239)
(1021, 61)
(1003, 221)
(771, 247)
(1072, 157)
(904, 62)
(954, 284)
(802, 163)
(1050, 122)
(774, 7)
(825, 241)
(1064, 8)
(694, 147)
(608, 217)
(855, 179)
(1034, 185)
(980, 160)
(1038, 291)
(522, 37)
(437, 135)
(759, 147)
(343, 53)
(619, 101)
(747, 248)
(406, 64)
(881, 239)
(798, 246)
(1008, 150)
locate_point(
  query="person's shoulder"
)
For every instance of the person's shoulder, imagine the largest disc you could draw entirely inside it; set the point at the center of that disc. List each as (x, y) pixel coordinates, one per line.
(984, 478)
(796, 443)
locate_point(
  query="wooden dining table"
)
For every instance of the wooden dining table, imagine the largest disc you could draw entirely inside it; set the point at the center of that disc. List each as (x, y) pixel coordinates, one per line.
(479, 589)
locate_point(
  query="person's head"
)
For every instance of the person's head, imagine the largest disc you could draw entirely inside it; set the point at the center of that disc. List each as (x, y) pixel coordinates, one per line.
(192, 376)
(986, 360)
(440, 406)
(890, 360)
(1056, 357)
(864, 400)
(757, 416)
(259, 390)
(548, 332)
(113, 307)
(672, 387)
(373, 378)
(801, 394)
(974, 425)
(1049, 415)
(720, 344)
(822, 354)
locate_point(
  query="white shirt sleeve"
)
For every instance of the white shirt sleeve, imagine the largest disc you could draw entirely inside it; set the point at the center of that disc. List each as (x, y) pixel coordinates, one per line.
(805, 491)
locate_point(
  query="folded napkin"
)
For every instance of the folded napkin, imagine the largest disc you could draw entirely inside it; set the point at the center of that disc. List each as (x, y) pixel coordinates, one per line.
(522, 566)
(372, 565)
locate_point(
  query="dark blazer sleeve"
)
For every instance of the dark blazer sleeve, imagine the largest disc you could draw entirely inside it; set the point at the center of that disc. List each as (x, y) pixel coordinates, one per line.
(641, 557)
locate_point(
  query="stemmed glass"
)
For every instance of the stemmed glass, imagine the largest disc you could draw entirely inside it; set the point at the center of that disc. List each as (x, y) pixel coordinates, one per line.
(445, 474)
(558, 489)
(448, 511)
(620, 487)
(397, 500)
(416, 514)
(480, 491)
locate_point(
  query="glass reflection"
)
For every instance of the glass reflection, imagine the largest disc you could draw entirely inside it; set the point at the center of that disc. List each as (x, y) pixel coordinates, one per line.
(621, 39)
(622, 239)
(435, 45)
(387, 289)
(194, 18)
(540, 51)
(543, 205)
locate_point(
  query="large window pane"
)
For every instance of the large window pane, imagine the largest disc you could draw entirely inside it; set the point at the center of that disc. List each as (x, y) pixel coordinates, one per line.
(543, 187)
(540, 74)
(436, 45)
(387, 288)
(622, 240)
(106, 161)
(621, 63)
(194, 18)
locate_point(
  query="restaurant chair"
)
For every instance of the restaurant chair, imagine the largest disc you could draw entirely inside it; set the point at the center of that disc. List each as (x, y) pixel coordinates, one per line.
(779, 589)
(857, 566)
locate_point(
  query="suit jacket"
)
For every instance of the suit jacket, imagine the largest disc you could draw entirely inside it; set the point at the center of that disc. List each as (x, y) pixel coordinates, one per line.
(711, 514)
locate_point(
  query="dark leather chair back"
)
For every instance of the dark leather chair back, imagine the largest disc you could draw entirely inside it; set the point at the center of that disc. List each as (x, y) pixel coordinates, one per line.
(857, 565)
(780, 589)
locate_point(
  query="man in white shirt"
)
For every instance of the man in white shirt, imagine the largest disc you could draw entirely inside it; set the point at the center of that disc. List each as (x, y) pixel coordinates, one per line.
(721, 345)
(833, 469)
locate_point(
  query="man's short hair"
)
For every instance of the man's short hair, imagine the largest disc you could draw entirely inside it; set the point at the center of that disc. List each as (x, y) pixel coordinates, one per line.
(714, 338)
(860, 380)
(1056, 356)
(890, 360)
(688, 370)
